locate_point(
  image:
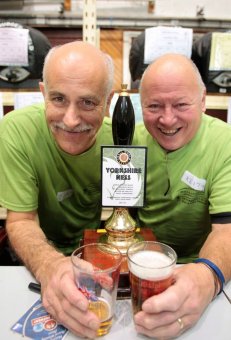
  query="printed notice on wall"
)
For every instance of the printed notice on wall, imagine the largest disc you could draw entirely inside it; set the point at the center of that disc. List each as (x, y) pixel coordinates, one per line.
(14, 46)
(123, 176)
(23, 99)
(220, 52)
(160, 40)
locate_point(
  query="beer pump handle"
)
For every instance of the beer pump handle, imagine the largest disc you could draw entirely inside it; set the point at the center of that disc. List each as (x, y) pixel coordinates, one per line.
(123, 119)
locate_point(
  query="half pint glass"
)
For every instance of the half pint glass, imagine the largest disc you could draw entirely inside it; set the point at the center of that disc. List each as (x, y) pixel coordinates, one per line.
(150, 266)
(96, 269)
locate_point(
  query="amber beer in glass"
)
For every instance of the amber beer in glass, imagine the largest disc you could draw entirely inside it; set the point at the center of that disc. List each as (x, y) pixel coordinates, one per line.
(96, 269)
(151, 267)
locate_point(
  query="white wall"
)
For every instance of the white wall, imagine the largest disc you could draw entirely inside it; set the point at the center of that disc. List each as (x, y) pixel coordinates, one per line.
(220, 9)
(173, 8)
(188, 8)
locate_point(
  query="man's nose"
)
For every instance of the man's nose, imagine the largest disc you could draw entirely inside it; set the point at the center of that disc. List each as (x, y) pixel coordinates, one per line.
(168, 116)
(72, 116)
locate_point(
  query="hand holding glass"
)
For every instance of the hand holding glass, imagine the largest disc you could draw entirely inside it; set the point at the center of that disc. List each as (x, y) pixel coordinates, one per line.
(151, 267)
(97, 279)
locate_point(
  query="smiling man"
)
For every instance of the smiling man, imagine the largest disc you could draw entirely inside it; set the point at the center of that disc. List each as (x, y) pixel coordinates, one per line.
(172, 102)
(188, 200)
(50, 174)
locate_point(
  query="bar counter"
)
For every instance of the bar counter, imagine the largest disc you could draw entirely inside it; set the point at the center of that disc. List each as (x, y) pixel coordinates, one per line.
(16, 299)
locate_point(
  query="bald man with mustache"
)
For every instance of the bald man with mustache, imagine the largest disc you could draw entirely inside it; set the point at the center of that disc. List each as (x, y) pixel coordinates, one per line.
(50, 174)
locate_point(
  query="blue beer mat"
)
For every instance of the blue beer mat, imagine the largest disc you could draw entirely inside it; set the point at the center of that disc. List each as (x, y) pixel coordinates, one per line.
(36, 323)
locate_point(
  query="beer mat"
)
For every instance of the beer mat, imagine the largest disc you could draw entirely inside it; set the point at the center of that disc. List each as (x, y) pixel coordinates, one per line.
(36, 323)
(123, 314)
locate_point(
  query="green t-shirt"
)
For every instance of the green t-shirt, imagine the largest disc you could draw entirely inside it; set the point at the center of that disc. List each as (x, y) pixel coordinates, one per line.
(186, 188)
(37, 175)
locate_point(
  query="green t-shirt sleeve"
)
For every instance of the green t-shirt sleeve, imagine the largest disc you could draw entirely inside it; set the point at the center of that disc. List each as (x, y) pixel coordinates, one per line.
(219, 182)
(18, 189)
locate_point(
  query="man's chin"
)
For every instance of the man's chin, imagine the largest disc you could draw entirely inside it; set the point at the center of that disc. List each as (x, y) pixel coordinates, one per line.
(170, 146)
(75, 147)
(71, 150)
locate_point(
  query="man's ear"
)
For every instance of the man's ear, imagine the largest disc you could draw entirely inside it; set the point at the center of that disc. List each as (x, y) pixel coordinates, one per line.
(110, 98)
(42, 88)
(203, 101)
(107, 111)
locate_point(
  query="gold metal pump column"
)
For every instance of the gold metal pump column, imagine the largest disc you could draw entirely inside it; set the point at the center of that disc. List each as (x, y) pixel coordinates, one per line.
(120, 226)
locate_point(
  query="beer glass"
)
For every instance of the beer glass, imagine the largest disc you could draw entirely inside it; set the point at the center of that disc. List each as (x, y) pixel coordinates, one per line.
(97, 279)
(151, 267)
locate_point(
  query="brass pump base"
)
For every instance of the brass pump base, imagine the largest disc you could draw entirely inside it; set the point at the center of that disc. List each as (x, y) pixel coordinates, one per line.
(120, 230)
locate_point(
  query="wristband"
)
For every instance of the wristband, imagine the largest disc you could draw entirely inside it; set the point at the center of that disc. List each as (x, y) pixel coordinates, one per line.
(217, 284)
(216, 270)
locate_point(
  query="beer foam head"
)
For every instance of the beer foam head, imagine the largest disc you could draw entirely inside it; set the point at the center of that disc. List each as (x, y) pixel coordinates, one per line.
(150, 265)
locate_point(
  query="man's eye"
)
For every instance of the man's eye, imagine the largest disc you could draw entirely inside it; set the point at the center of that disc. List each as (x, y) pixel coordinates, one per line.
(154, 107)
(87, 104)
(58, 99)
(181, 106)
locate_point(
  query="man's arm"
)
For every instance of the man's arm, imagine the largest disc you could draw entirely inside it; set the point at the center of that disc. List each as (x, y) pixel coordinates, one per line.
(30, 243)
(217, 248)
(60, 295)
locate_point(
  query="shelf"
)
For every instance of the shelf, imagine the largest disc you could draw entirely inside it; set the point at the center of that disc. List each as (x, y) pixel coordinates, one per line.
(214, 102)
(135, 20)
(217, 102)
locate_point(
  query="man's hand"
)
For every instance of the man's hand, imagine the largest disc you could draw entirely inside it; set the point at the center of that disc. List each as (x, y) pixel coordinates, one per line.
(172, 312)
(63, 300)
(60, 295)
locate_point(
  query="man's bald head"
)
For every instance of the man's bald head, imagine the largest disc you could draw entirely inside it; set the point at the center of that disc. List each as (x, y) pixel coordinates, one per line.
(171, 66)
(75, 56)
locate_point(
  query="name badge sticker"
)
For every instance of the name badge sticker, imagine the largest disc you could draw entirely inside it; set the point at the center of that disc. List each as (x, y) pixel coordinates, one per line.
(193, 182)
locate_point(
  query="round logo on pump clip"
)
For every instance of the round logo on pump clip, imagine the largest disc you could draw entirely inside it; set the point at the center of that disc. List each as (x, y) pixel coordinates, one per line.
(123, 157)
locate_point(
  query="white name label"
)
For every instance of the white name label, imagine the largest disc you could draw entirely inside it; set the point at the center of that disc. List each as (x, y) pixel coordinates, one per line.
(193, 181)
(62, 195)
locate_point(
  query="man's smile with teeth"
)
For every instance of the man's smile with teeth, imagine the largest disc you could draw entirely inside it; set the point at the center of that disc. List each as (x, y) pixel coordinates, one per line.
(169, 132)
